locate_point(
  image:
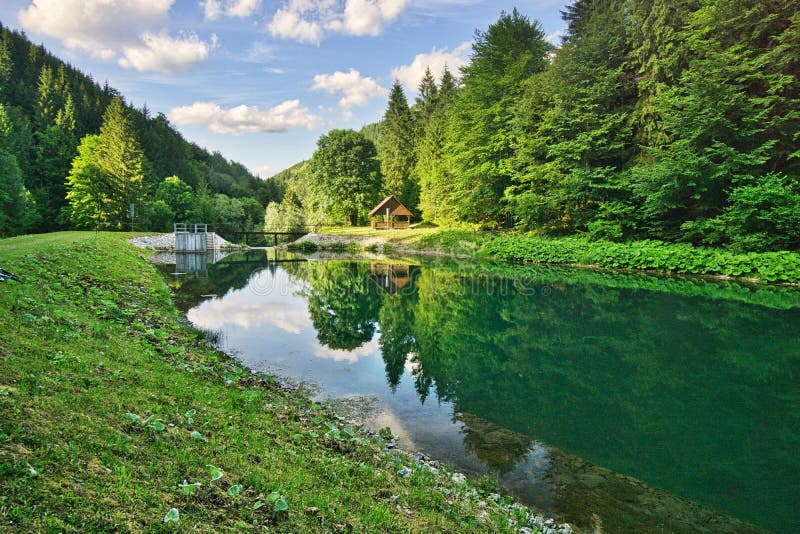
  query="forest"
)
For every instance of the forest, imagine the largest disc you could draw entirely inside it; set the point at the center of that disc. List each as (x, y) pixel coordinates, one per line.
(673, 120)
(73, 154)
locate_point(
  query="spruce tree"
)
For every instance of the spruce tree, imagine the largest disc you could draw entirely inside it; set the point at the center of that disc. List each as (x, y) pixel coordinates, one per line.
(121, 158)
(396, 149)
(425, 103)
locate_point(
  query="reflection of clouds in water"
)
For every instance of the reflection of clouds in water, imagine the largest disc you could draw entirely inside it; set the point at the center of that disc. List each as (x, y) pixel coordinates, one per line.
(351, 356)
(234, 310)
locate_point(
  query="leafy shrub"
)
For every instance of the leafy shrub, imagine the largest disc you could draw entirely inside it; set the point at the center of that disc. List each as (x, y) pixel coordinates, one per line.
(648, 255)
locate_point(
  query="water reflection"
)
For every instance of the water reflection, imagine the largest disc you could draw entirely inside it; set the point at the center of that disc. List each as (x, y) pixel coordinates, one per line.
(540, 376)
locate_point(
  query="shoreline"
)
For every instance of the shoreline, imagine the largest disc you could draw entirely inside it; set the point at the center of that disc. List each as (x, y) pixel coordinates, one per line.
(130, 365)
(485, 247)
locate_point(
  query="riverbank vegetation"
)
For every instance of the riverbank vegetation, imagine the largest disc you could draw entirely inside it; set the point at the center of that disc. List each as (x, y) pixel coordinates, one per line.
(514, 247)
(117, 415)
(663, 120)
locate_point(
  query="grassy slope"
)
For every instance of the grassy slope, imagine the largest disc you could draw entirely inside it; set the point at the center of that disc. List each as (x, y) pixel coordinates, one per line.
(90, 336)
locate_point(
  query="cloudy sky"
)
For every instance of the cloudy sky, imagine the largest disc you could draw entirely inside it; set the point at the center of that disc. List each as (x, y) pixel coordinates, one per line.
(260, 80)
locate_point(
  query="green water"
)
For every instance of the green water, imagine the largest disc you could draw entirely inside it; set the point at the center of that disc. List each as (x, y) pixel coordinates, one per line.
(631, 402)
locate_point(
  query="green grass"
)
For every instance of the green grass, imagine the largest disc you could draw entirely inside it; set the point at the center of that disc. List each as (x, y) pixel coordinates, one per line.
(109, 401)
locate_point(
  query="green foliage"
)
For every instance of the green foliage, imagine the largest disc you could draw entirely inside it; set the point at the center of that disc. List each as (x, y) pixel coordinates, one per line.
(87, 185)
(648, 255)
(178, 195)
(395, 147)
(479, 141)
(284, 217)
(345, 175)
(157, 216)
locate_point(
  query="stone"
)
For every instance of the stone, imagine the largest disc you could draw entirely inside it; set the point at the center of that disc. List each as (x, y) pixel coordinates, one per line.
(458, 478)
(405, 472)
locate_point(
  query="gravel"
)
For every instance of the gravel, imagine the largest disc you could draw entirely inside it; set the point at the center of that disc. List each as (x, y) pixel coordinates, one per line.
(167, 242)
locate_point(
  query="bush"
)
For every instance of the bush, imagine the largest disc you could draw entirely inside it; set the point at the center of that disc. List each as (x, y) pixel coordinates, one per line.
(648, 255)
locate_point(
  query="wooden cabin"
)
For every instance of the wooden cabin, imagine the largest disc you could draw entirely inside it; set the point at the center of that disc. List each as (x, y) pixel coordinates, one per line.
(390, 214)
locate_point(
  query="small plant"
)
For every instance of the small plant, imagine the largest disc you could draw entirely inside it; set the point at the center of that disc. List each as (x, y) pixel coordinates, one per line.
(173, 516)
(187, 488)
(235, 490)
(215, 472)
(151, 423)
(278, 501)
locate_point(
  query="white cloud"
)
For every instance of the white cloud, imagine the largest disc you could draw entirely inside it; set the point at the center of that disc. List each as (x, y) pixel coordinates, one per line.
(367, 350)
(263, 171)
(246, 119)
(356, 90)
(237, 310)
(556, 37)
(162, 53)
(410, 75)
(308, 21)
(214, 9)
(97, 27)
(289, 22)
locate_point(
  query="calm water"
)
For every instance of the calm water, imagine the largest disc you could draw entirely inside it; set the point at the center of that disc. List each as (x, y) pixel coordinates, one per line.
(631, 403)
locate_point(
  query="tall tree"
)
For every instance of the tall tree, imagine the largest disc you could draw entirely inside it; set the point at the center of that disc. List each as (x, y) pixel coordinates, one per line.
(434, 182)
(121, 158)
(345, 174)
(425, 103)
(88, 186)
(571, 132)
(479, 135)
(396, 149)
(17, 211)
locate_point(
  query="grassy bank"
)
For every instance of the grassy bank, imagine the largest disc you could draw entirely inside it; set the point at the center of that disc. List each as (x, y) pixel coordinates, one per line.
(116, 415)
(678, 258)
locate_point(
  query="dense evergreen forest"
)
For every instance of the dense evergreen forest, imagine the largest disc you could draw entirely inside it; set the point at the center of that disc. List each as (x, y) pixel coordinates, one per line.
(676, 120)
(73, 154)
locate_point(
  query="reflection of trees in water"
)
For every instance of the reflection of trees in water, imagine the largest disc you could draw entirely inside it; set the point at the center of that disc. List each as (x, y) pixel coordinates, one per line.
(500, 448)
(232, 273)
(342, 302)
(396, 320)
(629, 379)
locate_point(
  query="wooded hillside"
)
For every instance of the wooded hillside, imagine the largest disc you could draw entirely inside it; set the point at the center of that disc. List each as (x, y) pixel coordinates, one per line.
(47, 108)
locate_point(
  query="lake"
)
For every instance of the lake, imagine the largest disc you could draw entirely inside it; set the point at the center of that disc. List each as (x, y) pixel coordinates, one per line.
(615, 401)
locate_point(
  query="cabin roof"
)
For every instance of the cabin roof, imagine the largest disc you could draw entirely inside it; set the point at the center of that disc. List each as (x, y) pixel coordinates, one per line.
(395, 207)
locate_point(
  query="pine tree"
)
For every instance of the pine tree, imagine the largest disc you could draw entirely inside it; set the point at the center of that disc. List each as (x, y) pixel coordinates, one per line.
(425, 104)
(49, 100)
(396, 149)
(121, 158)
(16, 208)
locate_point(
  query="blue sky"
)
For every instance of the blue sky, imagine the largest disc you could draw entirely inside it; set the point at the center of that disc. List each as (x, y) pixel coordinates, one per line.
(261, 80)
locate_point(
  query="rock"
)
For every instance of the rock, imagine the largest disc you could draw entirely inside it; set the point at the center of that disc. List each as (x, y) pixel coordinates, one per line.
(565, 529)
(495, 497)
(405, 472)
(525, 530)
(458, 478)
